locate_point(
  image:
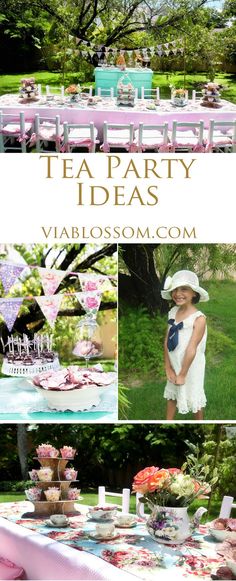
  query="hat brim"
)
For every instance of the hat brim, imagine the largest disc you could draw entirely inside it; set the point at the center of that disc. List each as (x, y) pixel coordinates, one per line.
(203, 294)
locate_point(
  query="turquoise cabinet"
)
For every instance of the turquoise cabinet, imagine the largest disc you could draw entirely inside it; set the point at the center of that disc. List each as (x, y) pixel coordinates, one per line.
(105, 78)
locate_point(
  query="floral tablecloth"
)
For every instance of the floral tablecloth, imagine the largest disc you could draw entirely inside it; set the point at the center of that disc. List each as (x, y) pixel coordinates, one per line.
(108, 103)
(132, 549)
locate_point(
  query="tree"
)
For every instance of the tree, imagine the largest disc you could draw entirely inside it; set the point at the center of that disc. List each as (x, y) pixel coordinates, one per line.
(144, 268)
(22, 446)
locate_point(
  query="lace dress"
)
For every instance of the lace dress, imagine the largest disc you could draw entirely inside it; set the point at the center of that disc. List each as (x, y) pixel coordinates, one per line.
(190, 397)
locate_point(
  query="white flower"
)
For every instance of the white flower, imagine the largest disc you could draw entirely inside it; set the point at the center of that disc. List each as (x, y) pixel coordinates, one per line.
(168, 283)
(182, 485)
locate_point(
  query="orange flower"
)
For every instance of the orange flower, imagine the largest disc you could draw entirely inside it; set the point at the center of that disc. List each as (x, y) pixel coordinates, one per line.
(173, 470)
(158, 480)
(141, 479)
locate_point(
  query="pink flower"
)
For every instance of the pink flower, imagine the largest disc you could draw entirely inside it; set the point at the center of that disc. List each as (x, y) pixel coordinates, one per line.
(91, 302)
(90, 286)
(141, 479)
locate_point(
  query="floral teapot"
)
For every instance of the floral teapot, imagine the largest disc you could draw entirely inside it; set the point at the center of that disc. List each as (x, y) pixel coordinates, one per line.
(170, 525)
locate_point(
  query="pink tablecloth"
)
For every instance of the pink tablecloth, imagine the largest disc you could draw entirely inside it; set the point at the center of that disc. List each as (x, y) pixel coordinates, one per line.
(107, 110)
(43, 558)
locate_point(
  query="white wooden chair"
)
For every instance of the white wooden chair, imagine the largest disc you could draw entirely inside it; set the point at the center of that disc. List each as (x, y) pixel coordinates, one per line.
(124, 496)
(88, 91)
(187, 136)
(196, 96)
(150, 93)
(140, 507)
(47, 130)
(153, 137)
(221, 137)
(51, 91)
(106, 92)
(118, 136)
(79, 135)
(226, 506)
(14, 132)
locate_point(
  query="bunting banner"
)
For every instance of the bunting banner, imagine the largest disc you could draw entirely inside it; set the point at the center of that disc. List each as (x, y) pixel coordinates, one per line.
(9, 309)
(51, 279)
(9, 274)
(94, 282)
(90, 301)
(50, 306)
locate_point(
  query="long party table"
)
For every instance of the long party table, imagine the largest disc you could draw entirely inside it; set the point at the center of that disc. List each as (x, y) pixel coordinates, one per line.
(132, 551)
(19, 401)
(108, 110)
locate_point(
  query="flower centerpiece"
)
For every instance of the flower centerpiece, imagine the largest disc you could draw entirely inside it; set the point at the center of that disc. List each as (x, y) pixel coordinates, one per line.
(211, 95)
(168, 492)
(28, 89)
(74, 92)
(179, 97)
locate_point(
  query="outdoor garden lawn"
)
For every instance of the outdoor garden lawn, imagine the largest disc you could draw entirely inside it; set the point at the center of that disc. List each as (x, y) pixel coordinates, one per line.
(90, 498)
(11, 83)
(146, 393)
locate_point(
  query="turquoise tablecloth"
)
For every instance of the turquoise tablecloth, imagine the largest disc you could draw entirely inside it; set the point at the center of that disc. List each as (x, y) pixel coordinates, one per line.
(19, 401)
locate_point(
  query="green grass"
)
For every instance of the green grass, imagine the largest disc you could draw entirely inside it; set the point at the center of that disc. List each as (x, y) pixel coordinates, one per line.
(11, 83)
(146, 393)
(90, 498)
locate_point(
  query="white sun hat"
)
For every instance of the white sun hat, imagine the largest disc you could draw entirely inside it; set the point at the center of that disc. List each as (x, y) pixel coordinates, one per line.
(183, 278)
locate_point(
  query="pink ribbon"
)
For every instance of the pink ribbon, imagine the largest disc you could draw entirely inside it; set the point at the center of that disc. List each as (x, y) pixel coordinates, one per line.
(209, 146)
(131, 148)
(85, 141)
(197, 148)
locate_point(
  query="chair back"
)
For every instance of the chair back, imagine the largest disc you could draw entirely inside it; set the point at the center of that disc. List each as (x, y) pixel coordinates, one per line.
(222, 135)
(152, 136)
(106, 92)
(117, 136)
(226, 506)
(124, 496)
(77, 135)
(47, 129)
(150, 93)
(50, 91)
(196, 95)
(188, 135)
(13, 127)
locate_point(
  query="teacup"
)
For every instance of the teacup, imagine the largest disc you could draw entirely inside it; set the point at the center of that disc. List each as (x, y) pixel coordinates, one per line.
(105, 529)
(58, 519)
(125, 519)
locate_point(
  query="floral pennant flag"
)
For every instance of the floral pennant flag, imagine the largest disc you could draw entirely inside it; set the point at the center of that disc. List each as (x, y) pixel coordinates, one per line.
(94, 282)
(9, 309)
(51, 279)
(9, 274)
(90, 301)
(50, 306)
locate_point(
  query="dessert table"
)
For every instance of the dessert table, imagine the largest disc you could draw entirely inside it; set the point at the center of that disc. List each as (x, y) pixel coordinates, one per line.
(19, 401)
(105, 78)
(106, 109)
(131, 550)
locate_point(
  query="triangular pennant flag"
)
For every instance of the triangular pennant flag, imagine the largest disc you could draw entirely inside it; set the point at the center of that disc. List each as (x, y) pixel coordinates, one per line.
(9, 274)
(51, 279)
(159, 52)
(175, 50)
(93, 282)
(77, 40)
(90, 301)
(50, 306)
(167, 52)
(9, 309)
(166, 44)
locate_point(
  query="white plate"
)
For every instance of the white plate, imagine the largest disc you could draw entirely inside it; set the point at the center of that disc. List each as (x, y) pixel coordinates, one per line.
(133, 524)
(97, 537)
(49, 523)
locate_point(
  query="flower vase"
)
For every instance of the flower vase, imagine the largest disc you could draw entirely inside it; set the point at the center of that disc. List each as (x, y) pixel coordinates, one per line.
(74, 98)
(169, 525)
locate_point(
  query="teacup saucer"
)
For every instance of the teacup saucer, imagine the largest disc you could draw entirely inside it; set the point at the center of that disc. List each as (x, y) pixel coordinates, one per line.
(97, 537)
(130, 526)
(49, 523)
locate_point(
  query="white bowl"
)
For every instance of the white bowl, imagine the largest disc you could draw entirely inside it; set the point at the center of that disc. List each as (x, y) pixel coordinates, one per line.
(75, 400)
(232, 566)
(222, 534)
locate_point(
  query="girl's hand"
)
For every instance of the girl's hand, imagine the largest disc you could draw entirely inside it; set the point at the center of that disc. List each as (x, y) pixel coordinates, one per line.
(180, 379)
(170, 374)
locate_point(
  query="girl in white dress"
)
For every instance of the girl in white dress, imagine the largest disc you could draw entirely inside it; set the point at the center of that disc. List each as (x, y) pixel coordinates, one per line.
(185, 345)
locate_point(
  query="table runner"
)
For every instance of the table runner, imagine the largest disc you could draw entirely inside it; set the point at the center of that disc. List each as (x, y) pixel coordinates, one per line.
(133, 550)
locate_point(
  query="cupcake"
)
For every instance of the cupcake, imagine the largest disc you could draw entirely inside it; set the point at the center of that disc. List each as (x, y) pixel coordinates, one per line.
(45, 474)
(70, 474)
(47, 451)
(73, 493)
(67, 452)
(52, 494)
(33, 494)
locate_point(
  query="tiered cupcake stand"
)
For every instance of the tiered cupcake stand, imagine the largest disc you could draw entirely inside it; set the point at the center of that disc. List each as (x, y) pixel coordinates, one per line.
(46, 507)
